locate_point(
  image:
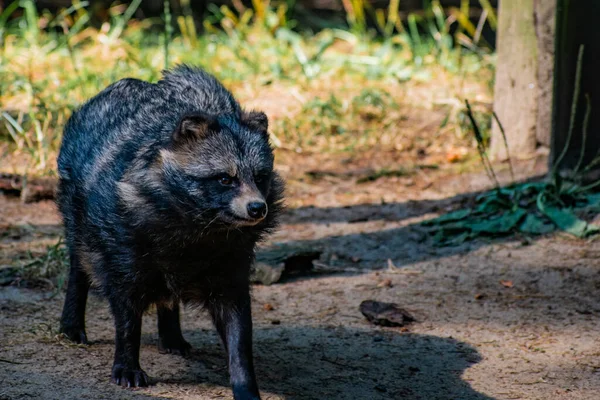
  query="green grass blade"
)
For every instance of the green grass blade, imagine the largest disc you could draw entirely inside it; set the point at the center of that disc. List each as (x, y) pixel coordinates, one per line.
(574, 104)
(122, 22)
(586, 123)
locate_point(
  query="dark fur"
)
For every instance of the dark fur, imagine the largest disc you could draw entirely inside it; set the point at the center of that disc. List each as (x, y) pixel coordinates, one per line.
(148, 222)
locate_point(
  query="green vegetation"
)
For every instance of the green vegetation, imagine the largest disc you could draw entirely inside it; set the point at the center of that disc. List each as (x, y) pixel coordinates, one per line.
(334, 90)
(531, 208)
(48, 270)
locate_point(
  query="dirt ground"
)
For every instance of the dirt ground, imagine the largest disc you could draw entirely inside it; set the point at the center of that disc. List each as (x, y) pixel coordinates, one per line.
(512, 318)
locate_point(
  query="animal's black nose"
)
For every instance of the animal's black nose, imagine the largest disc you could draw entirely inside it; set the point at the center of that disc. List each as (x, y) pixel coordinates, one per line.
(257, 209)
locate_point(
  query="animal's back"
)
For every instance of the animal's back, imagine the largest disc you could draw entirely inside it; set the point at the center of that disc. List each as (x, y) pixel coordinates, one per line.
(133, 113)
(195, 90)
(104, 136)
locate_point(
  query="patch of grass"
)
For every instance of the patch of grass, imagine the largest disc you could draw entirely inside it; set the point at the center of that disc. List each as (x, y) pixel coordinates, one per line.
(49, 270)
(359, 119)
(337, 90)
(373, 104)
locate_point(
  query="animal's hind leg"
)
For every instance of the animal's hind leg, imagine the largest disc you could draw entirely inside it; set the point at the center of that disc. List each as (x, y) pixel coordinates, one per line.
(170, 338)
(72, 322)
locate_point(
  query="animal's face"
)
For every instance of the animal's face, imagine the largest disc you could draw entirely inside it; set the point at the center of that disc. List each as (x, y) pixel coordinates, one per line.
(220, 171)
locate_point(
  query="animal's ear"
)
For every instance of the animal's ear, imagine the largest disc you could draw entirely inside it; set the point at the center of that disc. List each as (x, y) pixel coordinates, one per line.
(194, 126)
(256, 120)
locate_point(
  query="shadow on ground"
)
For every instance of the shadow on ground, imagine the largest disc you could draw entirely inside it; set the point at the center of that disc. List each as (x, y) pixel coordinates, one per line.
(292, 363)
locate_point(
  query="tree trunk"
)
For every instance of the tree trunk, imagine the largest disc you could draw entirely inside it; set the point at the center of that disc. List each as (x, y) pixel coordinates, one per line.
(545, 22)
(523, 86)
(515, 94)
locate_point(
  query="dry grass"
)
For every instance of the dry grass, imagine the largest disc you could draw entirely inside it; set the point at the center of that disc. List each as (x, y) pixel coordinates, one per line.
(329, 92)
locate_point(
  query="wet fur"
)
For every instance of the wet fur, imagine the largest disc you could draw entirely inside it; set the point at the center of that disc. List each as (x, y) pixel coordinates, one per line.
(146, 221)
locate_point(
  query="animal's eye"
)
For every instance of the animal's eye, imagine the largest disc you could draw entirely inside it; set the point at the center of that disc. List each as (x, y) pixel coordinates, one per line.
(225, 180)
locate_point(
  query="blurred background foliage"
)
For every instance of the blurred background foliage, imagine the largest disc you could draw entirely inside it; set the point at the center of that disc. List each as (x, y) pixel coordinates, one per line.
(333, 75)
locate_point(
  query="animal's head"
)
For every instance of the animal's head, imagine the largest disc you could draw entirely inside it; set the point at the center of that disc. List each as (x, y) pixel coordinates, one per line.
(219, 171)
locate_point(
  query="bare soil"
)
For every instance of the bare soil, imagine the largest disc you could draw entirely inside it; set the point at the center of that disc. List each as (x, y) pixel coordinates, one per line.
(511, 318)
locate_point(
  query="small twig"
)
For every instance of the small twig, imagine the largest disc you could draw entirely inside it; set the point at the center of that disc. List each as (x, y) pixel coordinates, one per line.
(168, 31)
(588, 187)
(480, 25)
(335, 362)
(512, 174)
(70, 50)
(10, 361)
(573, 111)
(586, 122)
(480, 148)
(595, 161)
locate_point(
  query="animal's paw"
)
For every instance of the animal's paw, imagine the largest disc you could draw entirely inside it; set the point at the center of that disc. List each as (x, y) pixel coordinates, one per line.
(75, 334)
(174, 346)
(245, 392)
(128, 377)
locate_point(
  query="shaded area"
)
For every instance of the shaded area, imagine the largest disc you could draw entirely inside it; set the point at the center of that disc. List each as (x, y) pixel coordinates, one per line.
(389, 211)
(293, 362)
(355, 238)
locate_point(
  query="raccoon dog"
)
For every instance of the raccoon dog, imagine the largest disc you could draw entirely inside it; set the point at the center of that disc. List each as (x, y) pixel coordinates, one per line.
(165, 189)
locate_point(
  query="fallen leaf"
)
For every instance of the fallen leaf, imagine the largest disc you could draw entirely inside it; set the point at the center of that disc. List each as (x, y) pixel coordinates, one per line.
(479, 296)
(385, 314)
(535, 225)
(503, 224)
(566, 220)
(385, 283)
(456, 154)
(453, 157)
(268, 307)
(507, 284)
(449, 217)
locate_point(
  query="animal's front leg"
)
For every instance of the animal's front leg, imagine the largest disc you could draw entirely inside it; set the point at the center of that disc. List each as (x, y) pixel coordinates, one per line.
(126, 369)
(233, 320)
